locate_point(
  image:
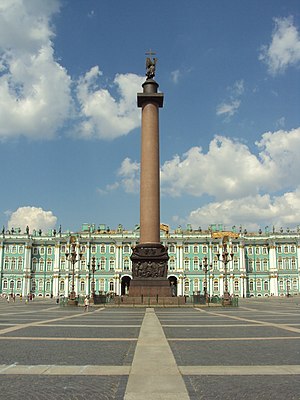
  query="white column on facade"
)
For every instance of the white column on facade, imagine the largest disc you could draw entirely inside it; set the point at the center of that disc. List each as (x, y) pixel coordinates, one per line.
(87, 267)
(243, 272)
(27, 270)
(56, 268)
(273, 270)
(179, 252)
(1, 264)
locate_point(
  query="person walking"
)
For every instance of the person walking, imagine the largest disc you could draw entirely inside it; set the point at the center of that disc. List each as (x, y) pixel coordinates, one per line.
(86, 304)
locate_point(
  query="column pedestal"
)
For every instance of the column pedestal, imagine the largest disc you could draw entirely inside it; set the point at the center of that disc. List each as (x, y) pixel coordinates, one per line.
(149, 271)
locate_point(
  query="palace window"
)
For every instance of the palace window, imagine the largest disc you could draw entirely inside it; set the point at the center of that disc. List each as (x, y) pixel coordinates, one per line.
(286, 249)
(281, 285)
(48, 286)
(257, 265)
(93, 249)
(186, 264)
(49, 251)
(264, 250)
(4, 284)
(258, 285)
(196, 263)
(293, 263)
(196, 285)
(236, 263)
(111, 285)
(126, 248)
(250, 265)
(266, 286)
(63, 248)
(257, 250)
(236, 285)
(204, 249)
(186, 249)
(21, 249)
(215, 263)
(49, 265)
(14, 249)
(111, 264)
(196, 249)
(172, 264)
(235, 248)
(20, 263)
(13, 263)
(293, 249)
(102, 263)
(250, 251)
(42, 250)
(126, 264)
(83, 248)
(6, 263)
(111, 249)
(102, 249)
(295, 284)
(216, 285)
(41, 264)
(172, 248)
(33, 285)
(34, 263)
(62, 286)
(82, 286)
(251, 286)
(280, 266)
(102, 285)
(186, 286)
(279, 249)
(19, 284)
(286, 263)
(265, 265)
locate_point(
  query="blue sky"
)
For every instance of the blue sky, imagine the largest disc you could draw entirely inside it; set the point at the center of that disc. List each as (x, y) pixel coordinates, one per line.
(70, 127)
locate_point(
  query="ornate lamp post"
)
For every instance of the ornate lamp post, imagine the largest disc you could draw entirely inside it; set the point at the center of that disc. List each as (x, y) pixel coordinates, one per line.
(72, 256)
(205, 269)
(225, 259)
(205, 265)
(93, 265)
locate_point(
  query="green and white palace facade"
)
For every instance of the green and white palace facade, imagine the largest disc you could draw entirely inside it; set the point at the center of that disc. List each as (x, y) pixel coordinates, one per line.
(261, 264)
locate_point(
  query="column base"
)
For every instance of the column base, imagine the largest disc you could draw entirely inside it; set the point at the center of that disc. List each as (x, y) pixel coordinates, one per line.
(149, 271)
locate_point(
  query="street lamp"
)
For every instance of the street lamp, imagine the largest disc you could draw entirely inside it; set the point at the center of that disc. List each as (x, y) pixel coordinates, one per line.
(205, 269)
(225, 259)
(93, 265)
(72, 256)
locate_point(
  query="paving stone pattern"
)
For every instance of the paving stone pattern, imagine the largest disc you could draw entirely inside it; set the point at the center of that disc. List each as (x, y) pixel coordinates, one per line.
(210, 345)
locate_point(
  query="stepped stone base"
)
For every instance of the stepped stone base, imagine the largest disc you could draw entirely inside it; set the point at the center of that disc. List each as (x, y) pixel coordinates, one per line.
(149, 301)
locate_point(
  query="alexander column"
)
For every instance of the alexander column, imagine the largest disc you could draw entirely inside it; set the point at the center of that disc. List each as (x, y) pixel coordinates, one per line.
(150, 257)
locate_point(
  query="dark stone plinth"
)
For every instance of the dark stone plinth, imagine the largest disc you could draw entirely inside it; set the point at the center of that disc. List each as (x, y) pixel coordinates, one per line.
(149, 271)
(150, 287)
(150, 301)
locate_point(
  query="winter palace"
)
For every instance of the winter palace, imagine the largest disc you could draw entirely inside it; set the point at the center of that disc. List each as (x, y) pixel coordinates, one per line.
(259, 264)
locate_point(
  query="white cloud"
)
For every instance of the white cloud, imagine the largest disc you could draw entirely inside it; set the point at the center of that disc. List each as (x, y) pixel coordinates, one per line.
(175, 75)
(284, 49)
(228, 109)
(129, 173)
(35, 94)
(231, 106)
(104, 116)
(230, 170)
(263, 209)
(34, 217)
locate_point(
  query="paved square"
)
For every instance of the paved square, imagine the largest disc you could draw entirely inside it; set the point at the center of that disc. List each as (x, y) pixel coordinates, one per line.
(249, 352)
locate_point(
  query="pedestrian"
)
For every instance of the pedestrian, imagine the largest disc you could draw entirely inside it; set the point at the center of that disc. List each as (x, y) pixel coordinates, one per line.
(7, 298)
(86, 303)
